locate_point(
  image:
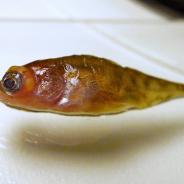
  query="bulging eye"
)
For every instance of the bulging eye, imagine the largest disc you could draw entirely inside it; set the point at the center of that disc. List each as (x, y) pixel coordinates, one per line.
(12, 82)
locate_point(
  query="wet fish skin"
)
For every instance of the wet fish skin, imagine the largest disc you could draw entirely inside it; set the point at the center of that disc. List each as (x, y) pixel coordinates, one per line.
(84, 85)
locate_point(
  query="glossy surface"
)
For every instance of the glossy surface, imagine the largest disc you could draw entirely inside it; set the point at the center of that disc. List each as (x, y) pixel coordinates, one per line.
(84, 85)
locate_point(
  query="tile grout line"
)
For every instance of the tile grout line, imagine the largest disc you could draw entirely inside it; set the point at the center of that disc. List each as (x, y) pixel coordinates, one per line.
(86, 21)
(137, 51)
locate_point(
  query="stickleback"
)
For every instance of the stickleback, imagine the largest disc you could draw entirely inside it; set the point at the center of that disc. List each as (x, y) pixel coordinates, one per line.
(83, 85)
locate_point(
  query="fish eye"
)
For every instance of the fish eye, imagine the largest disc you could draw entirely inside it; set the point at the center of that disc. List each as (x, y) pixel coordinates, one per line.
(12, 82)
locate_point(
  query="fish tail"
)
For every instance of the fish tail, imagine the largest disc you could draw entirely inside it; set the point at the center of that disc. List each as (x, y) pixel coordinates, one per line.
(160, 91)
(178, 90)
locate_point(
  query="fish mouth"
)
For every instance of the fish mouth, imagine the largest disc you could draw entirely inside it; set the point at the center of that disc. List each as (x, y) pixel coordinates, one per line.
(1, 92)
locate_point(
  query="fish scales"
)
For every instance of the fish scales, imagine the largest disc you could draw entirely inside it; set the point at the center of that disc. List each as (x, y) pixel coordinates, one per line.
(83, 85)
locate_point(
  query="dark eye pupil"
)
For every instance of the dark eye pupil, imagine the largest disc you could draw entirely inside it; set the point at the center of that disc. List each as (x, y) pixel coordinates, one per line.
(12, 82)
(9, 84)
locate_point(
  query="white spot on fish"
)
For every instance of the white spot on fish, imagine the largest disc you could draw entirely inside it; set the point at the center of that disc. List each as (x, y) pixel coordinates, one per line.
(63, 101)
(74, 81)
(69, 68)
(93, 70)
(84, 61)
(42, 71)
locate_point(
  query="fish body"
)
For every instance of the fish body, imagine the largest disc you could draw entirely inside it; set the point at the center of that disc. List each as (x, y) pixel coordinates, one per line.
(83, 85)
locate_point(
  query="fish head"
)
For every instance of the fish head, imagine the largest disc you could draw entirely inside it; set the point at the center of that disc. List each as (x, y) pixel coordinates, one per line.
(16, 85)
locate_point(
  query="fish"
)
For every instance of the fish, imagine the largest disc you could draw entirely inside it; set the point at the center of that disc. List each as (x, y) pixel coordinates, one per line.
(83, 85)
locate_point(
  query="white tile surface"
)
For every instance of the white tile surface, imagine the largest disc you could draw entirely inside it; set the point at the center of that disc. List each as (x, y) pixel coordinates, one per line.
(104, 9)
(161, 43)
(20, 9)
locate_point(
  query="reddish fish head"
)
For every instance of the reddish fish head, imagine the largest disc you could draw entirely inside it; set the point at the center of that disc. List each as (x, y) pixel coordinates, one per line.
(16, 86)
